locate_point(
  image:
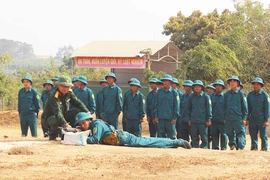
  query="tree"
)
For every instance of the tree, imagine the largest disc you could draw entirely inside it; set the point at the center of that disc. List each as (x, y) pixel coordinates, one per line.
(188, 32)
(64, 52)
(209, 61)
(149, 74)
(5, 58)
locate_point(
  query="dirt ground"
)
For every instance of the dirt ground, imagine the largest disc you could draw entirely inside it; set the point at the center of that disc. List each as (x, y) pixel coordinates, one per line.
(38, 158)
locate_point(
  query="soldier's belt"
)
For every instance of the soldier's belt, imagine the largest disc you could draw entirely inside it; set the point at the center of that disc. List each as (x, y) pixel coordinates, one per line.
(112, 139)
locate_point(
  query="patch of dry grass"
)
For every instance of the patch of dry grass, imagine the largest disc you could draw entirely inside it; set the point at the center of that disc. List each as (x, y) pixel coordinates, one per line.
(20, 151)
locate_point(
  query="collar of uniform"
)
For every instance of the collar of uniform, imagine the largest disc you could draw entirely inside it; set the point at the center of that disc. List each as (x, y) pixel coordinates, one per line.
(136, 92)
(170, 89)
(113, 86)
(84, 89)
(236, 91)
(221, 94)
(260, 92)
(30, 89)
(195, 94)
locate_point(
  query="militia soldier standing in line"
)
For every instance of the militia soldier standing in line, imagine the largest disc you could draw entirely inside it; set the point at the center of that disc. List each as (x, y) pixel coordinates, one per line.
(210, 90)
(200, 115)
(124, 122)
(56, 110)
(236, 114)
(183, 131)
(54, 80)
(28, 107)
(134, 108)
(103, 83)
(75, 83)
(166, 109)
(48, 85)
(218, 120)
(150, 107)
(111, 101)
(258, 115)
(85, 94)
(103, 133)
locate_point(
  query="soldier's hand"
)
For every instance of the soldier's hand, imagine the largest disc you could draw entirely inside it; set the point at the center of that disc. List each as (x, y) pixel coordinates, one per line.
(189, 123)
(148, 119)
(247, 122)
(156, 121)
(208, 123)
(244, 122)
(265, 124)
(141, 121)
(67, 125)
(173, 121)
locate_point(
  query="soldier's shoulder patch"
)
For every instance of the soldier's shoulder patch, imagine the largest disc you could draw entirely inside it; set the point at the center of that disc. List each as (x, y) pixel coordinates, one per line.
(268, 99)
(120, 94)
(210, 102)
(56, 94)
(177, 98)
(143, 101)
(37, 96)
(94, 130)
(245, 98)
(93, 96)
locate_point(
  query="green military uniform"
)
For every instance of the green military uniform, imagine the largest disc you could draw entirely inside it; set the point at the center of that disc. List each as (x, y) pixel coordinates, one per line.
(56, 111)
(28, 108)
(111, 102)
(86, 95)
(98, 99)
(134, 110)
(166, 109)
(218, 119)
(258, 113)
(235, 112)
(103, 133)
(199, 112)
(210, 86)
(150, 110)
(183, 126)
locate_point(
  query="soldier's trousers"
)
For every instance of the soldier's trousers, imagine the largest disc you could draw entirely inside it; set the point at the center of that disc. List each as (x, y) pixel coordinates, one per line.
(166, 129)
(218, 136)
(237, 128)
(199, 131)
(152, 128)
(254, 128)
(184, 131)
(28, 120)
(134, 127)
(111, 118)
(131, 140)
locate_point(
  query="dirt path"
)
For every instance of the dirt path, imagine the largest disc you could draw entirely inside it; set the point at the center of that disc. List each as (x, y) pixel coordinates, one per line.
(52, 160)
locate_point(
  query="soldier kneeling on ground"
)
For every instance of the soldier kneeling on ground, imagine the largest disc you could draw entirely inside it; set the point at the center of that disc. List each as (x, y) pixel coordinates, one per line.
(57, 111)
(103, 133)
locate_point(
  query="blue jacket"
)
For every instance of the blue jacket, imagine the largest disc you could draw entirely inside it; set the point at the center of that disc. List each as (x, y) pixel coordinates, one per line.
(134, 106)
(44, 97)
(218, 107)
(28, 101)
(98, 102)
(150, 104)
(258, 106)
(235, 106)
(167, 104)
(86, 95)
(179, 92)
(199, 108)
(99, 130)
(111, 100)
(184, 107)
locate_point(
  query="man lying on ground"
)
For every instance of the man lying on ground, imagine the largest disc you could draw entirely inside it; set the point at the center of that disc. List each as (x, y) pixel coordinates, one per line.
(103, 133)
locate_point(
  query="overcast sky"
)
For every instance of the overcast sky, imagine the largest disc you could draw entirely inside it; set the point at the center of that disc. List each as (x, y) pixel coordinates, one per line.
(51, 24)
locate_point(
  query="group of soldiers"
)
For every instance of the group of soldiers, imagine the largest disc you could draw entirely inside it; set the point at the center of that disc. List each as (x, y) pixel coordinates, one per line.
(173, 117)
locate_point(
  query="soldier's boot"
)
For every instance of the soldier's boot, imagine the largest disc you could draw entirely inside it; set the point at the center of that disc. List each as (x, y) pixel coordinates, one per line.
(52, 136)
(184, 144)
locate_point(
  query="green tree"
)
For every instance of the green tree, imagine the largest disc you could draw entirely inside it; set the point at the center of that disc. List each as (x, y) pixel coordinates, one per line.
(209, 61)
(188, 32)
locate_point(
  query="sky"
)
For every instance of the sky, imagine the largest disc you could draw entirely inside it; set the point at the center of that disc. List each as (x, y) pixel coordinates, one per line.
(51, 24)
